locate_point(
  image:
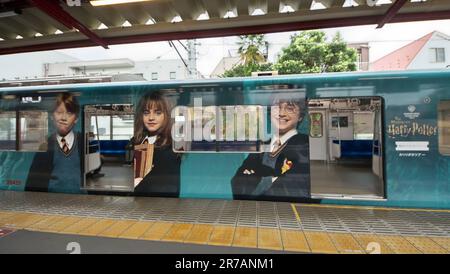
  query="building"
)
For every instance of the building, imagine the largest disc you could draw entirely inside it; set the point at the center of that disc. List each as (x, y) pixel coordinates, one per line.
(149, 70)
(26, 66)
(226, 63)
(362, 53)
(431, 51)
(39, 66)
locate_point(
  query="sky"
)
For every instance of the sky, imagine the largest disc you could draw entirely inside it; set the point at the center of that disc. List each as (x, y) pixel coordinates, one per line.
(212, 50)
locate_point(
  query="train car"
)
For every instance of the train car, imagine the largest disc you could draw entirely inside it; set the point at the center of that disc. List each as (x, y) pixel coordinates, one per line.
(378, 138)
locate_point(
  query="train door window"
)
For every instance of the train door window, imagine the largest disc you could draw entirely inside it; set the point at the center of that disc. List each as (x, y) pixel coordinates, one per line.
(219, 129)
(108, 157)
(33, 130)
(8, 130)
(444, 127)
(346, 160)
(363, 125)
(122, 127)
(103, 122)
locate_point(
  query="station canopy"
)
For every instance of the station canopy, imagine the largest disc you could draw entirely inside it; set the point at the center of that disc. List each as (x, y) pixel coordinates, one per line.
(34, 25)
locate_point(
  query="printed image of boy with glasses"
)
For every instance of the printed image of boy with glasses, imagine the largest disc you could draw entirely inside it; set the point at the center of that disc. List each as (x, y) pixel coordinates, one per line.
(282, 172)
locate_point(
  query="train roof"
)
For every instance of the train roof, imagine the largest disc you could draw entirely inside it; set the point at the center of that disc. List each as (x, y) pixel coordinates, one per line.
(211, 82)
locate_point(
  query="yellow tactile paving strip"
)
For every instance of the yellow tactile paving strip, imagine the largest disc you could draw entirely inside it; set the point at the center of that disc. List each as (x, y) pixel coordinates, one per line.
(157, 231)
(226, 235)
(366, 240)
(60, 223)
(346, 243)
(222, 235)
(444, 242)
(269, 238)
(426, 245)
(45, 222)
(117, 229)
(96, 228)
(178, 232)
(320, 242)
(136, 230)
(79, 226)
(399, 244)
(246, 237)
(294, 240)
(199, 234)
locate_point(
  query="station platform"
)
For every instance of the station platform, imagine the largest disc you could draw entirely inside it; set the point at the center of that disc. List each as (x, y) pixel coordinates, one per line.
(223, 226)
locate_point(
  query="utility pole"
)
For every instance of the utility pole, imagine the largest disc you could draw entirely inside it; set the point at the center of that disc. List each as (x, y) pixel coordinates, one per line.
(192, 59)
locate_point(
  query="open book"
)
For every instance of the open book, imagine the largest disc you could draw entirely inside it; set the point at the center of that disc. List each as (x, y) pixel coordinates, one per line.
(143, 160)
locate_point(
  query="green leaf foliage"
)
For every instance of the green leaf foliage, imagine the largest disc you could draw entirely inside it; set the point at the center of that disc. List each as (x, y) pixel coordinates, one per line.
(246, 70)
(309, 52)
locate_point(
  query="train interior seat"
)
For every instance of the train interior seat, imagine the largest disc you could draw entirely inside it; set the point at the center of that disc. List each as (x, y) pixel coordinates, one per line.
(113, 147)
(354, 148)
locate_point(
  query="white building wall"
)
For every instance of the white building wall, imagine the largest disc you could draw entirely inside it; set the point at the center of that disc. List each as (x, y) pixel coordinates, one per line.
(59, 69)
(29, 65)
(162, 67)
(226, 63)
(422, 60)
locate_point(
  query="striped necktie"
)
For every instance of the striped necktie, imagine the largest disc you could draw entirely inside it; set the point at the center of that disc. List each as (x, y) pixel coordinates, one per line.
(65, 147)
(276, 147)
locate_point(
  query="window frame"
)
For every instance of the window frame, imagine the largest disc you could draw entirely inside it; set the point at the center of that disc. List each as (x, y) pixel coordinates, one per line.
(434, 55)
(223, 141)
(19, 125)
(154, 76)
(16, 139)
(443, 106)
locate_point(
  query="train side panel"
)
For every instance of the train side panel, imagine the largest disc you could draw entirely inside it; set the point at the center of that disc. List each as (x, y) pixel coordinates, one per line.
(416, 173)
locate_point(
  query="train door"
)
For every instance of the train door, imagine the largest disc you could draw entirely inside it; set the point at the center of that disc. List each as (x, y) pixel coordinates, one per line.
(346, 148)
(108, 157)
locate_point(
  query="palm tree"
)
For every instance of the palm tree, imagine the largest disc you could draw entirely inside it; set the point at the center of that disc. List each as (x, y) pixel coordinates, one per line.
(250, 48)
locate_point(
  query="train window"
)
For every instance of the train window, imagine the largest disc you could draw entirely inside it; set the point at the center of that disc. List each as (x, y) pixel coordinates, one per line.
(111, 122)
(104, 126)
(218, 128)
(114, 127)
(444, 127)
(339, 121)
(8, 130)
(363, 123)
(123, 126)
(33, 130)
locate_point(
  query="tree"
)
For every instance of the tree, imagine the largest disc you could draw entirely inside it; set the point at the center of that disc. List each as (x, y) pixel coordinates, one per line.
(246, 70)
(250, 48)
(309, 52)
